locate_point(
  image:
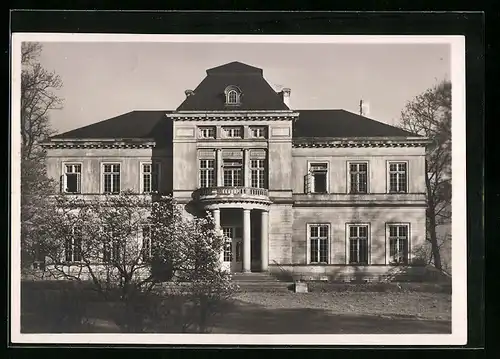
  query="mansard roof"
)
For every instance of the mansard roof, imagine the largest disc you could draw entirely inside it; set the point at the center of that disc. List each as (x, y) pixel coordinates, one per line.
(157, 126)
(256, 93)
(340, 124)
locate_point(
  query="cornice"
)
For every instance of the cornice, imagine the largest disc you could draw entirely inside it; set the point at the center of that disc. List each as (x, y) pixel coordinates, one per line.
(285, 115)
(101, 143)
(316, 142)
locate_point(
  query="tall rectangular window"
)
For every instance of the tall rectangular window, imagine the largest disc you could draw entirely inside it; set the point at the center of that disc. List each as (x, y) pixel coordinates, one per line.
(358, 173)
(316, 180)
(358, 244)
(228, 245)
(233, 170)
(207, 173)
(257, 173)
(111, 178)
(72, 178)
(318, 238)
(398, 177)
(398, 244)
(113, 248)
(150, 177)
(73, 245)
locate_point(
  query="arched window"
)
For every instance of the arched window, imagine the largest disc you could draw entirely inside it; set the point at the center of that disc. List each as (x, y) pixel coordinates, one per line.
(233, 95)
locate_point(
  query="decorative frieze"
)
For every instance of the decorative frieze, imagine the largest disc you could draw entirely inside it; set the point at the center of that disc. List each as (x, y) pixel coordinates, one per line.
(285, 115)
(356, 143)
(206, 154)
(97, 144)
(232, 154)
(258, 154)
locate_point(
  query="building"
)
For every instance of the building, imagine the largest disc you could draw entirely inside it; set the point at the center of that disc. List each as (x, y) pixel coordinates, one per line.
(315, 192)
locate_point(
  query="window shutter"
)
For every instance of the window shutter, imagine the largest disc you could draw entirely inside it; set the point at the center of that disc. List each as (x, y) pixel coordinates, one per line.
(62, 184)
(308, 180)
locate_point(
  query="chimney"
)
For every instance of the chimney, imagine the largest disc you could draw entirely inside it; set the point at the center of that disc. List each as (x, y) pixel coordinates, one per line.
(189, 93)
(364, 108)
(285, 96)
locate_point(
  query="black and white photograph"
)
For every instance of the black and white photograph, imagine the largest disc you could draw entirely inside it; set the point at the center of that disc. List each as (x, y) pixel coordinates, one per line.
(238, 189)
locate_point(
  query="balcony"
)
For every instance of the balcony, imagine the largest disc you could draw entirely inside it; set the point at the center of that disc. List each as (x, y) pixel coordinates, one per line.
(232, 194)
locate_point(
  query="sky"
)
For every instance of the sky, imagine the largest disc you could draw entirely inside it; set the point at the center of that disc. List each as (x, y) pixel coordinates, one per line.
(106, 79)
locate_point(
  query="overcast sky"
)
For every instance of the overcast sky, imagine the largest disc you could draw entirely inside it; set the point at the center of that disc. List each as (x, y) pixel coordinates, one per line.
(103, 80)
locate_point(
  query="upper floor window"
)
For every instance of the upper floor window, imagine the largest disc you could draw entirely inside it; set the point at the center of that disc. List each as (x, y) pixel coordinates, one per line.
(72, 178)
(398, 244)
(358, 244)
(206, 132)
(258, 132)
(233, 170)
(398, 177)
(233, 94)
(207, 173)
(232, 131)
(316, 180)
(111, 178)
(318, 243)
(358, 175)
(150, 177)
(257, 173)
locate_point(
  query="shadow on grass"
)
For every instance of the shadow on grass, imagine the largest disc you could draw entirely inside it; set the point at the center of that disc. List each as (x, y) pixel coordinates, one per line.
(254, 319)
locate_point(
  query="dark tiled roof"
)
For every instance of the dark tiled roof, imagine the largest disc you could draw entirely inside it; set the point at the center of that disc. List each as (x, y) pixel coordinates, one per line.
(341, 123)
(257, 94)
(136, 124)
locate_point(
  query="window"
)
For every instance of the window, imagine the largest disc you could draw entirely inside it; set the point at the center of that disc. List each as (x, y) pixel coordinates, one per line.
(358, 244)
(207, 173)
(398, 244)
(257, 173)
(146, 243)
(398, 177)
(207, 132)
(258, 132)
(72, 178)
(232, 97)
(73, 245)
(232, 132)
(318, 240)
(112, 247)
(232, 173)
(358, 174)
(232, 234)
(317, 179)
(150, 177)
(111, 178)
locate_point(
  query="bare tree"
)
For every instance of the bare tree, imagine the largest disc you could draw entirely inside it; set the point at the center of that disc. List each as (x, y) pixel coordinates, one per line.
(37, 100)
(429, 115)
(125, 246)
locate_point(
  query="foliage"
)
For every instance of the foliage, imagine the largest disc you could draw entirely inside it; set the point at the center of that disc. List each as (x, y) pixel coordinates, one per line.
(429, 115)
(136, 250)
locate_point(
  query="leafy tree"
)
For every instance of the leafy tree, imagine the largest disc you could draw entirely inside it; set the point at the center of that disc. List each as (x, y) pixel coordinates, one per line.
(135, 251)
(429, 115)
(38, 98)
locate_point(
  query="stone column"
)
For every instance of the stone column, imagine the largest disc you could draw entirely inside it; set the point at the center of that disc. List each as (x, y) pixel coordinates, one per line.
(218, 168)
(216, 215)
(264, 246)
(246, 168)
(246, 241)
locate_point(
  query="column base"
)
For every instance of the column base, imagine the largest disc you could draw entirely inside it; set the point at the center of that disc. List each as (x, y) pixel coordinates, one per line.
(246, 271)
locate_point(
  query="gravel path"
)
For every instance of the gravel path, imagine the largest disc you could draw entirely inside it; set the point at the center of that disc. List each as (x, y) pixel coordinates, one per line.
(432, 306)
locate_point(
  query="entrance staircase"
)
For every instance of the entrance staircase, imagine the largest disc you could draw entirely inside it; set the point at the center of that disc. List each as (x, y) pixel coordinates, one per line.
(260, 282)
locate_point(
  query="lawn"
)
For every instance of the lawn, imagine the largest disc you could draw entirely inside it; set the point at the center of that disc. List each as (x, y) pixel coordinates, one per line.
(348, 310)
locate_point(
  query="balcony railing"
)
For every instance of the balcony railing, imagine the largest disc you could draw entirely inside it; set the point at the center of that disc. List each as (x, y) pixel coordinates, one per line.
(242, 193)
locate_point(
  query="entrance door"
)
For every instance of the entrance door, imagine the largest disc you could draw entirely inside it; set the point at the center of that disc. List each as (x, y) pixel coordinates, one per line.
(233, 250)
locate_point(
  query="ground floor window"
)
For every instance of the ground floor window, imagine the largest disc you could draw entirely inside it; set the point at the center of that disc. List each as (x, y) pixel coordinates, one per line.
(398, 244)
(318, 243)
(358, 244)
(73, 245)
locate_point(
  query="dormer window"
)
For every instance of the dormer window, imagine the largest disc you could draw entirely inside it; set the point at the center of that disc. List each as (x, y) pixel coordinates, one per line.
(233, 95)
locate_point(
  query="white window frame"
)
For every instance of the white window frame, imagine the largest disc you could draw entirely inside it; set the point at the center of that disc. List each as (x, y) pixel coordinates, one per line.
(228, 133)
(103, 173)
(310, 177)
(349, 188)
(236, 98)
(201, 133)
(348, 246)
(258, 170)
(329, 243)
(142, 173)
(108, 235)
(72, 244)
(200, 170)
(232, 168)
(388, 176)
(388, 241)
(255, 130)
(64, 178)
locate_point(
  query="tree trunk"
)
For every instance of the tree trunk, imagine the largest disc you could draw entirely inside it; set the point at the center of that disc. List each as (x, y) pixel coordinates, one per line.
(431, 214)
